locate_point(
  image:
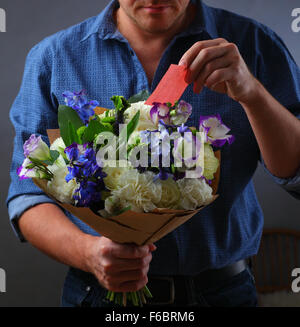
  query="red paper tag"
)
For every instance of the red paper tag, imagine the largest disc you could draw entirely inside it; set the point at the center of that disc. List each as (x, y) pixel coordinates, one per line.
(171, 86)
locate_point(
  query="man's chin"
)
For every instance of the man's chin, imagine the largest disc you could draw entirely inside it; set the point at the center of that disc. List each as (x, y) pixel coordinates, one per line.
(155, 27)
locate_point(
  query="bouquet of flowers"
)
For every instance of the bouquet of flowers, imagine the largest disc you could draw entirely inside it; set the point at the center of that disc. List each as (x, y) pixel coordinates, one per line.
(133, 173)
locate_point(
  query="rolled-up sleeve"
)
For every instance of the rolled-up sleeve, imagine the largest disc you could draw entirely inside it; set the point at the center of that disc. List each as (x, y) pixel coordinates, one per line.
(21, 203)
(32, 112)
(280, 74)
(291, 184)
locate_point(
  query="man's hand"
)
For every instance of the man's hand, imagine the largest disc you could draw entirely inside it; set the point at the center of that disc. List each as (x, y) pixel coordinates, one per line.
(118, 267)
(218, 65)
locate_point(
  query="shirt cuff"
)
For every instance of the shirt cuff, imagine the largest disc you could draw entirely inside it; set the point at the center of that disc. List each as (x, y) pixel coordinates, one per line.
(18, 205)
(291, 184)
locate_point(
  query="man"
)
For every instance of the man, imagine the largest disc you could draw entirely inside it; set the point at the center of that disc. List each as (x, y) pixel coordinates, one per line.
(238, 68)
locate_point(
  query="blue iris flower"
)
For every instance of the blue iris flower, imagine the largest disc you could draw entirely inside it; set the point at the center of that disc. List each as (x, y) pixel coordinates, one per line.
(87, 194)
(72, 152)
(79, 102)
(74, 172)
(85, 170)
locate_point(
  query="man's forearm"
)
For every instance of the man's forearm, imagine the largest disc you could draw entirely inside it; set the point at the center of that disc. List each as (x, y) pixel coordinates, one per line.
(117, 267)
(277, 132)
(48, 229)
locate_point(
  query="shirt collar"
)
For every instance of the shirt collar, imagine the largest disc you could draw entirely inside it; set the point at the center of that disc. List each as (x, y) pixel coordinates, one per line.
(104, 26)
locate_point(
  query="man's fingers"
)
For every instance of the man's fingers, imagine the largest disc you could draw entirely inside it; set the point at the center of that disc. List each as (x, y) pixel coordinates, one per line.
(126, 280)
(219, 76)
(208, 69)
(192, 53)
(118, 265)
(204, 57)
(127, 251)
(131, 286)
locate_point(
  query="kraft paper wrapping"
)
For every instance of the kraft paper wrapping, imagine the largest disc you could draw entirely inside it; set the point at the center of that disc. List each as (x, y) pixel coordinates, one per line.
(130, 227)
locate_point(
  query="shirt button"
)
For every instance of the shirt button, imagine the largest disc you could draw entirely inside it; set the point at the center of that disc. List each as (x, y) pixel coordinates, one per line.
(88, 288)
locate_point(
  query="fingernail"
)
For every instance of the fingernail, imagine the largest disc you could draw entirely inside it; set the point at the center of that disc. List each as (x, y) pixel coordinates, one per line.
(152, 247)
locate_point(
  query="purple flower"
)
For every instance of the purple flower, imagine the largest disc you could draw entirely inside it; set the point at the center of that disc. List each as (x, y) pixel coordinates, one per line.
(215, 129)
(25, 173)
(183, 129)
(160, 111)
(184, 108)
(36, 148)
(162, 175)
(30, 170)
(181, 113)
(78, 101)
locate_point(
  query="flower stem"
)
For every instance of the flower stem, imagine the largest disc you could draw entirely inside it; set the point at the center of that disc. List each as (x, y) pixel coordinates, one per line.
(136, 298)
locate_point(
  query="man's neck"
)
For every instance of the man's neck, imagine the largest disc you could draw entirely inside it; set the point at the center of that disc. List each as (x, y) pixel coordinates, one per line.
(149, 47)
(139, 38)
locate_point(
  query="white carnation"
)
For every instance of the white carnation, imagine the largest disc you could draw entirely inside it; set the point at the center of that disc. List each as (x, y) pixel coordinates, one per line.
(145, 121)
(138, 190)
(58, 186)
(194, 193)
(113, 175)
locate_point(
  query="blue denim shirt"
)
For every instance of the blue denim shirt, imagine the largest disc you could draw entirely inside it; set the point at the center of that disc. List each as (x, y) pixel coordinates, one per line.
(94, 56)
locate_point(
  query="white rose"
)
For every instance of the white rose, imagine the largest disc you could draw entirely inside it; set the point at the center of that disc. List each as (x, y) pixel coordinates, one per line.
(145, 121)
(194, 193)
(58, 143)
(138, 190)
(170, 196)
(58, 186)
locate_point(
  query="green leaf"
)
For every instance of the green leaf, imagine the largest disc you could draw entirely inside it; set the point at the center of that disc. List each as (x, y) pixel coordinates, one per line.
(30, 166)
(141, 96)
(173, 169)
(109, 120)
(62, 152)
(108, 127)
(131, 126)
(68, 115)
(120, 103)
(80, 132)
(122, 211)
(73, 137)
(94, 128)
(54, 155)
(36, 161)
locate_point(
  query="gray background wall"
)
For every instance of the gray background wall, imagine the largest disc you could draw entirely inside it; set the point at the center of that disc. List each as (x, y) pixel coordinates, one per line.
(32, 278)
